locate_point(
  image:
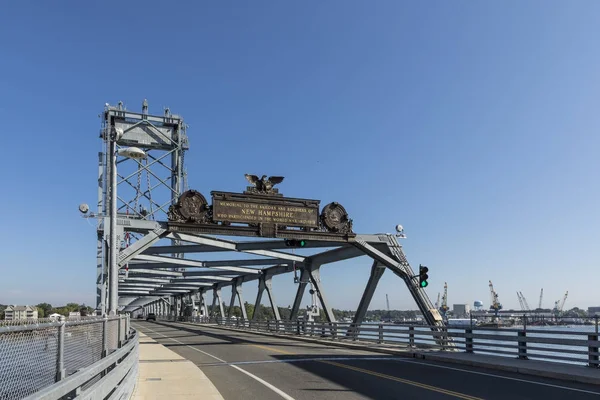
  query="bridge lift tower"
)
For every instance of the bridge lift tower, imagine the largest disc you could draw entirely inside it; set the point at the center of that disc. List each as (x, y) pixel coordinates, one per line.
(146, 153)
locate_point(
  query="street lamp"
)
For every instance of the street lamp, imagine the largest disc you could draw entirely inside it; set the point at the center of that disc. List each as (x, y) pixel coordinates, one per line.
(113, 267)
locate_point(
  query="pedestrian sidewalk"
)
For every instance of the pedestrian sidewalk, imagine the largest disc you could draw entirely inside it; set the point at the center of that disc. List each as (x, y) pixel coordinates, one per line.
(163, 374)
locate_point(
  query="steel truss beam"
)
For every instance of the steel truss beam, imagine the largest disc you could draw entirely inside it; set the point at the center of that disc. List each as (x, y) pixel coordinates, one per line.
(204, 279)
(144, 272)
(256, 245)
(192, 263)
(158, 262)
(397, 263)
(139, 246)
(233, 246)
(148, 285)
(136, 279)
(383, 249)
(207, 273)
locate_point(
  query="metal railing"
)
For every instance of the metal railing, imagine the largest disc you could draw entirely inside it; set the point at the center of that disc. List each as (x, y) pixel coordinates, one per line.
(83, 357)
(573, 346)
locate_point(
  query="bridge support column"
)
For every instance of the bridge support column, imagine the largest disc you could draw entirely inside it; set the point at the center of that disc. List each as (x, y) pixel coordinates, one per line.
(204, 305)
(261, 288)
(269, 287)
(299, 293)
(173, 307)
(181, 306)
(315, 278)
(377, 271)
(202, 312)
(217, 298)
(265, 282)
(236, 291)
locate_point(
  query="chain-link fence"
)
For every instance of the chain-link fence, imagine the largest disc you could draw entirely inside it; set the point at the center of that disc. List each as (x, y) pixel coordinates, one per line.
(28, 322)
(36, 355)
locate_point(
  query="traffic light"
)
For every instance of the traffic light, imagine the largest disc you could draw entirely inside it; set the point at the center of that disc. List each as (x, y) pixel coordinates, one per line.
(423, 276)
(295, 242)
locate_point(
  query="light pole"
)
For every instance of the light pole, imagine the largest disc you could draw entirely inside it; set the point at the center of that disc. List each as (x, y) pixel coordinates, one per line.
(113, 266)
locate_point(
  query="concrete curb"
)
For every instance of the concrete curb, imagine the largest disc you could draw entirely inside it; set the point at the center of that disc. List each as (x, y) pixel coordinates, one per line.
(424, 355)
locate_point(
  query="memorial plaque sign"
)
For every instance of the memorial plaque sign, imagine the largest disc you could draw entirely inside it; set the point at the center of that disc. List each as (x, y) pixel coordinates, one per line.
(259, 211)
(253, 210)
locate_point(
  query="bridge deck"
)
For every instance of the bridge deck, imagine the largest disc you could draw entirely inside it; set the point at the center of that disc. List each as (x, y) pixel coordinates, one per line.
(248, 366)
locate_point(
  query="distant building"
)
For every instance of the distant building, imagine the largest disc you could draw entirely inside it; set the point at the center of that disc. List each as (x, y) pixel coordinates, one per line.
(12, 313)
(54, 316)
(593, 311)
(461, 310)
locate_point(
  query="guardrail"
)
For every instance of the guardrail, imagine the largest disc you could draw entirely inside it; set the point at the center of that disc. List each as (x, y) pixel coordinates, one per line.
(87, 358)
(567, 346)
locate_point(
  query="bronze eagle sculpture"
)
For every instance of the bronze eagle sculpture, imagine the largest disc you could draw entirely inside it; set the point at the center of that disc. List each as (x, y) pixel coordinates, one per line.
(263, 184)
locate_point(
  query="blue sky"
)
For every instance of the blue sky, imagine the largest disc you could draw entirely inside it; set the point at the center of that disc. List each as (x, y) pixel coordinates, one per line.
(475, 125)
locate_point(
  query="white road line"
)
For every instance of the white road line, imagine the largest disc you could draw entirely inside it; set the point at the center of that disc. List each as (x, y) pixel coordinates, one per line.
(294, 360)
(256, 378)
(504, 377)
(267, 384)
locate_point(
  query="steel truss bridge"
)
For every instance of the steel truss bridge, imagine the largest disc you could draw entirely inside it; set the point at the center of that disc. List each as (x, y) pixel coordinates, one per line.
(163, 278)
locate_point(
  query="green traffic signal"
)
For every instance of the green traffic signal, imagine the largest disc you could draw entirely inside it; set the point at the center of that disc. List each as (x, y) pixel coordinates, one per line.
(295, 243)
(423, 276)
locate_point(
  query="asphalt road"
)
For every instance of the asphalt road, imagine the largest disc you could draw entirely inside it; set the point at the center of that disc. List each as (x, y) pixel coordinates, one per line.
(249, 366)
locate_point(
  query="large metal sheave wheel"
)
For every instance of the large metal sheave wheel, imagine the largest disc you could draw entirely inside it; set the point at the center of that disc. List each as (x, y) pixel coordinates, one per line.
(192, 205)
(335, 218)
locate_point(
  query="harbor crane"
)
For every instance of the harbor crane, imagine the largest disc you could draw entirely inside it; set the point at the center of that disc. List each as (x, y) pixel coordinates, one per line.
(494, 303)
(525, 302)
(520, 301)
(437, 302)
(559, 305)
(444, 306)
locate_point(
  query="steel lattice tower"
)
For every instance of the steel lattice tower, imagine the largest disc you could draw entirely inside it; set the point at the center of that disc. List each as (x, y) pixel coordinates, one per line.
(146, 187)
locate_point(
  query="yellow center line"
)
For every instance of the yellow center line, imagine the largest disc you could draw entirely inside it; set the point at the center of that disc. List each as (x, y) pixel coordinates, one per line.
(405, 381)
(272, 349)
(380, 375)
